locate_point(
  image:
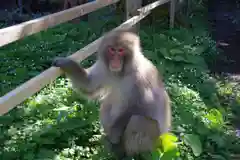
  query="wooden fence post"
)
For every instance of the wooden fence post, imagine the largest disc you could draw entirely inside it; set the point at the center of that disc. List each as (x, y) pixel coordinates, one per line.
(172, 12)
(132, 7)
(189, 3)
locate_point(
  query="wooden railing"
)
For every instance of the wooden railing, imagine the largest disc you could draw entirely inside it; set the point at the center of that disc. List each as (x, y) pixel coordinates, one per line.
(134, 13)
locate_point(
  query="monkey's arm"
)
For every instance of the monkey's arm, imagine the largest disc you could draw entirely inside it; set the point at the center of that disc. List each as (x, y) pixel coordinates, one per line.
(87, 80)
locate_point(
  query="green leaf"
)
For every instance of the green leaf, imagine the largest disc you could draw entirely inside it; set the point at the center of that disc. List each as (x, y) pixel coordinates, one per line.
(155, 155)
(164, 52)
(6, 120)
(218, 157)
(199, 50)
(45, 153)
(33, 73)
(176, 51)
(179, 58)
(218, 139)
(46, 141)
(194, 142)
(170, 155)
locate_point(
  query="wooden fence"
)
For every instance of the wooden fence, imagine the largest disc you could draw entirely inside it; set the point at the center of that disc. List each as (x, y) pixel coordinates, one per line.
(134, 13)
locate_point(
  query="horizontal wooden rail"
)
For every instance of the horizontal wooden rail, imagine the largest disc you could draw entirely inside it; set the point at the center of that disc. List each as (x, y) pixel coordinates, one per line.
(21, 93)
(16, 32)
(151, 6)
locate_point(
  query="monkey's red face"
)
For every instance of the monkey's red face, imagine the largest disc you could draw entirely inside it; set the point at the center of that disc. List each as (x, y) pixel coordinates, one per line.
(115, 56)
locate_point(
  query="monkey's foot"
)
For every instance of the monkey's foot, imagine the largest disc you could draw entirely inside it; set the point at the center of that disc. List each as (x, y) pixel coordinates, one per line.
(116, 149)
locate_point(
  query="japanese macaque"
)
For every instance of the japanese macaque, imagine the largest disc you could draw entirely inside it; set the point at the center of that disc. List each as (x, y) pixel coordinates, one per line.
(136, 109)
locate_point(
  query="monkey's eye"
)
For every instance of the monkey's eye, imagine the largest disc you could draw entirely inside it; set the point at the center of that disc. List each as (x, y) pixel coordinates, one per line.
(121, 51)
(111, 50)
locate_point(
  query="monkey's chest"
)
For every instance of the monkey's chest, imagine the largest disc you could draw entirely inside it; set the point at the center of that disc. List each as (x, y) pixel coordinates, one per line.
(116, 102)
(111, 108)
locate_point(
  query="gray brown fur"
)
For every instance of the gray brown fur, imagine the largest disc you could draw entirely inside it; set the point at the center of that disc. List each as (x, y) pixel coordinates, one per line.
(136, 110)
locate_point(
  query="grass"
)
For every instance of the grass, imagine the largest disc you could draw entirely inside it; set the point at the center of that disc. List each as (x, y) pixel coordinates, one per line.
(58, 124)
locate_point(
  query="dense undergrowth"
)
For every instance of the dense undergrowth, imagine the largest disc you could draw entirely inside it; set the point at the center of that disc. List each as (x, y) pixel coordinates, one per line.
(58, 124)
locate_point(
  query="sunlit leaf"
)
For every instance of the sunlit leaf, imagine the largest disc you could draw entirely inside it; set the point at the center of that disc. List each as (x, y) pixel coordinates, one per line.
(167, 141)
(64, 108)
(215, 118)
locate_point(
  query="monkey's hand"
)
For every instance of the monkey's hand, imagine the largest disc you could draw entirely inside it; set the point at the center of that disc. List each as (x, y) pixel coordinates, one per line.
(67, 65)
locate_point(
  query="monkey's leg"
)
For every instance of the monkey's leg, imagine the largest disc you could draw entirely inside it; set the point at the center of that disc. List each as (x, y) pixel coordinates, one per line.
(140, 135)
(116, 146)
(116, 149)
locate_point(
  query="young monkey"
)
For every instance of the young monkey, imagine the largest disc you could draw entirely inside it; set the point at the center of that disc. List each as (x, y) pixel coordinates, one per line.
(136, 110)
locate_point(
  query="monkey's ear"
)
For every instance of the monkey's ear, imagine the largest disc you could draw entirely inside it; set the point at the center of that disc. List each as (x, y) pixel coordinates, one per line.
(127, 30)
(132, 29)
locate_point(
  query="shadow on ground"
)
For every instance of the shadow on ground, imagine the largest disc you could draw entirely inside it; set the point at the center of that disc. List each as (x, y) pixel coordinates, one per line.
(224, 17)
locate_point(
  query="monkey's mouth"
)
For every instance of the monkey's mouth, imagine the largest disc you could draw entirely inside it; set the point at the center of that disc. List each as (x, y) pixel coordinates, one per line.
(115, 66)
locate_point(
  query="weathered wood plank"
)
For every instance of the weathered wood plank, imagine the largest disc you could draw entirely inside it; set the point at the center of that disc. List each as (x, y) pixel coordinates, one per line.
(16, 32)
(29, 88)
(152, 6)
